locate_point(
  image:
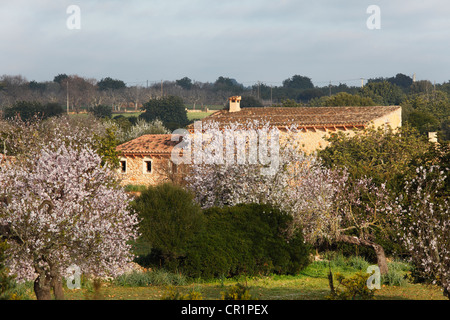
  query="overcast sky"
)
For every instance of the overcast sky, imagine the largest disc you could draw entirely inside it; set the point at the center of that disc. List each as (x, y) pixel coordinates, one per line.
(248, 40)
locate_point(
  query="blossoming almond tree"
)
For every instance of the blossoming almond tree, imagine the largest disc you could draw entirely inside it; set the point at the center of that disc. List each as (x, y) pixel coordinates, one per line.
(424, 224)
(60, 207)
(323, 202)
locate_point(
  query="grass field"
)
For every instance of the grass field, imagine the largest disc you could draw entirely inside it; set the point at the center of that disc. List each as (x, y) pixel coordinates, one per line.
(305, 286)
(127, 114)
(198, 115)
(309, 284)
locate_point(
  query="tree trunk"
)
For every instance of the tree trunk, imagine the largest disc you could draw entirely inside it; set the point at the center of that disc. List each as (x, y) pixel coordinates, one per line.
(381, 258)
(57, 287)
(56, 282)
(42, 288)
(379, 251)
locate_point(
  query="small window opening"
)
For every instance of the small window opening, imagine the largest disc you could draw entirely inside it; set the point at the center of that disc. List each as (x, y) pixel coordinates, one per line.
(148, 166)
(123, 166)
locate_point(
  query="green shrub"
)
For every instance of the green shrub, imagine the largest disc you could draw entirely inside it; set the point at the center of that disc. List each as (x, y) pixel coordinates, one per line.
(399, 265)
(172, 293)
(394, 278)
(169, 220)
(358, 263)
(157, 277)
(353, 288)
(337, 260)
(397, 274)
(101, 111)
(134, 279)
(237, 292)
(162, 277)
(250, 239)
(28, 110)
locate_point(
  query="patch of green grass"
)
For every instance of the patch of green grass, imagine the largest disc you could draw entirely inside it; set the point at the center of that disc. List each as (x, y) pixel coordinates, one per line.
(359, 263)
(310, 284)
(289, 288)
(135, 188)
(127, 114)
(157, 277)
(199, 107)
(198, 115)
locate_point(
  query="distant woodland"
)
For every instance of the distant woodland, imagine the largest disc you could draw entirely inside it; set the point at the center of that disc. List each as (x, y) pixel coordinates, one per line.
(426, 105)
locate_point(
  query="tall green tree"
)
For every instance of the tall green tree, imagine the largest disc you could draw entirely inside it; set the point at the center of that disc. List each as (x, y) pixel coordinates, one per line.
(37, 86)
(309, 94)
(169, 109)
(110, 84)
(343, 99)
(428, 112)
(106, 146)
(60, 77)
(250, 102)
(298, 82)
(229, 85)
(383, 93)
(403, 81)
(424, 121)
(185, 83)
(383, 155)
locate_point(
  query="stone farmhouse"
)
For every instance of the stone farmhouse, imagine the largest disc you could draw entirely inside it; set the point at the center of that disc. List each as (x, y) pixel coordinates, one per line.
(313, 123)
(146, 160)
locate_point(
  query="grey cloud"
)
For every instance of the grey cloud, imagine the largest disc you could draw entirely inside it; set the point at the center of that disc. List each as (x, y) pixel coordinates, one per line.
(251, 40)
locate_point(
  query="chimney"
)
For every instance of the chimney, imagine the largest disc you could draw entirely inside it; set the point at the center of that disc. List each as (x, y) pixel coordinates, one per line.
(235, 104)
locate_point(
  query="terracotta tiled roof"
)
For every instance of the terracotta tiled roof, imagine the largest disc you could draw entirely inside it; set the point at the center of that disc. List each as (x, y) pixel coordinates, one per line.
(304, 116)
(281, 117)
(148, 144)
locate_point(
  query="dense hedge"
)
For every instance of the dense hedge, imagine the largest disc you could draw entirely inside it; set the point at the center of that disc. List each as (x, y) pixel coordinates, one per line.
(246, 239)
(169, 220)
(250, 239)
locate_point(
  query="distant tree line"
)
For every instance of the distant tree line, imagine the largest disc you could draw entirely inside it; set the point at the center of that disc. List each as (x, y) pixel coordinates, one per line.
(426, 106)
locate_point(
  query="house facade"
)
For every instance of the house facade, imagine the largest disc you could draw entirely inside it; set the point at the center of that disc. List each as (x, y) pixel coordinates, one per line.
(314, 124)
(147, 159)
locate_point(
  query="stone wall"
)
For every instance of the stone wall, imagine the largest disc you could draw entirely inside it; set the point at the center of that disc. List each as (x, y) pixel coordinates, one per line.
(393, 119)
(314, 139)
(136, 173)
(310, 140)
